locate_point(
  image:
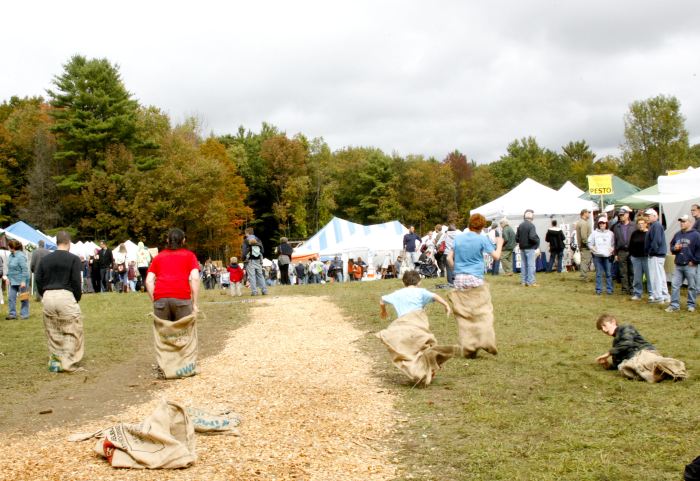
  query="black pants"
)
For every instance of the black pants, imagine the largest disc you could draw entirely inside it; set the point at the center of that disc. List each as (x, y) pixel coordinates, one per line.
(284, 274)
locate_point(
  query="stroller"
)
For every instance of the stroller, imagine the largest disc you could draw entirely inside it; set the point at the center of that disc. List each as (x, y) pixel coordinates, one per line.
(427, 269)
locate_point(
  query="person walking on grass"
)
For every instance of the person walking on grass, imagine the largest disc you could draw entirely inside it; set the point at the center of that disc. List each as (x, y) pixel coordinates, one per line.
(252, 253)
(17, 280)
(555, 238)
(602, 244)
(38, 254)
(529, 242)
(623, 232)
(583, 231)
(685, 245)
(508, 246)
(59, 284)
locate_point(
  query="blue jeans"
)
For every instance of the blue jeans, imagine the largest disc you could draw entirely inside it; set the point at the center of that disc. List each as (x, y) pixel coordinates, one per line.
(640, 267)
(12, 301)
(688, 273)
(527, 266)
(603, 267)
(559, 256)
(255, 276)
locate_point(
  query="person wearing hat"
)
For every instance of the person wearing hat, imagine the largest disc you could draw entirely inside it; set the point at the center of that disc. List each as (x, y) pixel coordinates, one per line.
(583, 231)
(508, 246)
(623, 232)
(610, 213)
(655, 248)
(686, 247)
(602, 244)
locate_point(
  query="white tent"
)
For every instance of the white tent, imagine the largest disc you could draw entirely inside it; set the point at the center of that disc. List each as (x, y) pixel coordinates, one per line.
(530, 194)
(570, 189)
(350, 240)
(676, 194)
(131, 250)
(546, 203)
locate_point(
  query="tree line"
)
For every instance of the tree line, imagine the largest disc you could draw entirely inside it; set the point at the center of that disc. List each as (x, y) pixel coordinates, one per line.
(89, 158)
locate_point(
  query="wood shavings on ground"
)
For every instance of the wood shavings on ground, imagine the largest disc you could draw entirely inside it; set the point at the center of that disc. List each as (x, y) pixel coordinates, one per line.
(310, 406)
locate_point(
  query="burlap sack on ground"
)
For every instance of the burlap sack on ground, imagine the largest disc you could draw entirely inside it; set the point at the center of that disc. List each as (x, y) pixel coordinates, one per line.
(474, 313)
(176, 346)
(64, 330)
(652, 367)
(205, 422)
(165, 439)
(413, 347)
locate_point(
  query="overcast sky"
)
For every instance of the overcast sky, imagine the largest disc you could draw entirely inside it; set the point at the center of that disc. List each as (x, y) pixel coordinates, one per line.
(405, 76)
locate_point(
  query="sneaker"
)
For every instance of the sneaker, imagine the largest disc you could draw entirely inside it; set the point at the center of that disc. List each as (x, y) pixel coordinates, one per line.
(671, 309)
(534, 285)
(656, 301)
(10, 318)
(691, 309)
(635, 298)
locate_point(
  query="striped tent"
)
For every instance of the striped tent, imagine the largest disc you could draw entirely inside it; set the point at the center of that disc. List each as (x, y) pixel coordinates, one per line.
(342, 237)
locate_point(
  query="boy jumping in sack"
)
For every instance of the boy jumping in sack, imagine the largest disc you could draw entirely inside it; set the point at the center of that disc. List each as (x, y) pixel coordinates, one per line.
(412, 346)
(634, 356)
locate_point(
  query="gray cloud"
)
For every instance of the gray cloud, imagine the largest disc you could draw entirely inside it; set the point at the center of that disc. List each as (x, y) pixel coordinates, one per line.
(403, 76)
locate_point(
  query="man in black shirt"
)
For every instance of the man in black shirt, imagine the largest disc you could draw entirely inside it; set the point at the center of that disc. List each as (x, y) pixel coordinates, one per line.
(58, 282)
(105, 259)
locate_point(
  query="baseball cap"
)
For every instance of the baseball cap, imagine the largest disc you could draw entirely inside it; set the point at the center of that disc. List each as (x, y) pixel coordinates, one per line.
(610, 208)
(650, 212)
(602, 218)
(624, 208)
(684, 218)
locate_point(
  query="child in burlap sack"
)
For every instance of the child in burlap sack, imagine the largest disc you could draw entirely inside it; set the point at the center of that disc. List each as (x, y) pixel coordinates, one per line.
(634, 356)
(413, 348)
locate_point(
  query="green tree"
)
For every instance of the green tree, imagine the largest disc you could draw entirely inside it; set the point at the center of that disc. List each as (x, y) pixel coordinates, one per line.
(92, 112)
(462, 171)
(525, 158)
(288, 182)
(22, 123)
(580, 157)
(655, 139)
(483, 187)
(322, 185)
(427, 192)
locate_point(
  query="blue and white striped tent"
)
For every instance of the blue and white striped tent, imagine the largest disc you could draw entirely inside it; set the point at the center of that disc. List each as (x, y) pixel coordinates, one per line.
(341, 237)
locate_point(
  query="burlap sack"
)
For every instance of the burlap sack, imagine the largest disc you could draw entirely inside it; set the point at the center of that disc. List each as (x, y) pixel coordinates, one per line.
(474, 313)
(413, 348)
(64, 330)
(205, 422)
(165, 439)
(652, 367)
(176, 346)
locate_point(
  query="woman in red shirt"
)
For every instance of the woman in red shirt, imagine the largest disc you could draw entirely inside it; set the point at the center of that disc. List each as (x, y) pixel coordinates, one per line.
(173, 279)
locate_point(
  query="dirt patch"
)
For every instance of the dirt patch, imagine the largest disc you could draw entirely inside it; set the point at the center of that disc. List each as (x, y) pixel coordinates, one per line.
(311, 408)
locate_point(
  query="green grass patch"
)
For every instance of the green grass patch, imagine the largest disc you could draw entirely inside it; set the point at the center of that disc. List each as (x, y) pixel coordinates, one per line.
(541, 409)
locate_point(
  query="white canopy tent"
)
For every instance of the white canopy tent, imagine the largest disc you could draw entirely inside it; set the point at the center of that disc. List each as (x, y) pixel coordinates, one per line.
(546, 203)
(350, 240)
(676, 194)
(570, 189)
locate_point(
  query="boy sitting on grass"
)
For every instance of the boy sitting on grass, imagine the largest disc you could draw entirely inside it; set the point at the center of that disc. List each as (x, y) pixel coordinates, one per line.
(412, 346)
(634, 356)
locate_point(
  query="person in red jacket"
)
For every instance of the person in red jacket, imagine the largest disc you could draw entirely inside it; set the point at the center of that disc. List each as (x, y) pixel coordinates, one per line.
(236, 274)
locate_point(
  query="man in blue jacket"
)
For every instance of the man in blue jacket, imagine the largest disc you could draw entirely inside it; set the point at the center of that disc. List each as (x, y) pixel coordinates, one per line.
(655, 248)
(686, 246)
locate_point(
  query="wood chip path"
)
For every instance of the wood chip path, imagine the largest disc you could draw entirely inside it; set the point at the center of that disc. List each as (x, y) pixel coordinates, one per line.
(310, 406)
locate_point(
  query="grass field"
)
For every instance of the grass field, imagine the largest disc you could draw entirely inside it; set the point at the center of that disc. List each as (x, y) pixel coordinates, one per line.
(540, 410)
